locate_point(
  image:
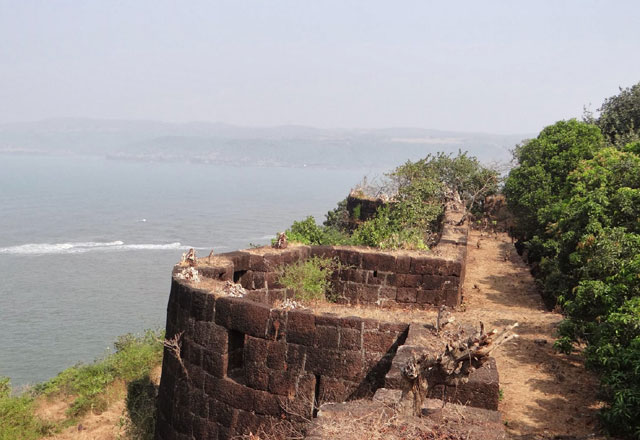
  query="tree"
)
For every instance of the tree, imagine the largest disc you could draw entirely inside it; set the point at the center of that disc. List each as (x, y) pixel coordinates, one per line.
(538, 181)
(620, 116)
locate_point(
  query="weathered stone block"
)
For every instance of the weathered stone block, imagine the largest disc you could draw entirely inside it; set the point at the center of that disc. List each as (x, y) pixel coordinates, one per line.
(277, 328)
(335, 390)
(424, 265)
(239, 259)
(301, 327)
(255, 351)
(429, 297)
(246, 280)
(258, 263)
(277, 355)
(218, 338)
(378, 261)
(378, 341)
(350, 339)
(403, 264)
(221, 272)
(250, 318)
(214, 363)
(223, 310)
(350, 257)
(296, 357)
(328, 319)
(272, 281)
(282, 383)
(326, 337)
(387, 293)
(323, 251)
(210, 308)
(275, 294)
(367, 293)
(406, 294)
(257, 377)
(393, 327)
(344, 364)
(198, 303)
(258, 280)
(436, 282)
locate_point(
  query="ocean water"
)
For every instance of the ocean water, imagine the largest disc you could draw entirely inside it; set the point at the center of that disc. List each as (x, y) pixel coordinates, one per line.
(87, 244)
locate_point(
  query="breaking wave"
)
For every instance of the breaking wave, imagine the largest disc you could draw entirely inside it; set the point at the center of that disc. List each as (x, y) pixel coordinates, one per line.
(82, 247)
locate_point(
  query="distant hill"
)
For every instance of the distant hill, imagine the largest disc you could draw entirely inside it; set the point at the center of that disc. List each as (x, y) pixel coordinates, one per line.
(207, 142)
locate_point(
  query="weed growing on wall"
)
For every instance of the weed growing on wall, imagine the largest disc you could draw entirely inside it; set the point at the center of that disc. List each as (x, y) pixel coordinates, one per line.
(310, 280)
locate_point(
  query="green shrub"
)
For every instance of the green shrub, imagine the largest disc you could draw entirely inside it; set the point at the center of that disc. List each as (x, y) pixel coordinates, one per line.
(620, 116)
(310, 280)
(410, 222)
(134, 358)
(308, 232)
(357, 211)
(577, 207)
(338, 218)
(17, 416)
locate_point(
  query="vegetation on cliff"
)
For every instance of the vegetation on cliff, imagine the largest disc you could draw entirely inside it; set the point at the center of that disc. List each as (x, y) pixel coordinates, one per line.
(575, 193)
(89, 388)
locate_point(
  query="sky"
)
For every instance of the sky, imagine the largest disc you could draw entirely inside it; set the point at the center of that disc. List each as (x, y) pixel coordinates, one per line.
(489, 66)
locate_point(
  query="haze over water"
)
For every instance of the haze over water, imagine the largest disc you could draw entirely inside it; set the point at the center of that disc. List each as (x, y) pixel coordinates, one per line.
(87, 244)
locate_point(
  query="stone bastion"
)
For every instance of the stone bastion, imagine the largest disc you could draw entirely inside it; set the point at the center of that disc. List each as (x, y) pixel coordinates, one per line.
(246, 362)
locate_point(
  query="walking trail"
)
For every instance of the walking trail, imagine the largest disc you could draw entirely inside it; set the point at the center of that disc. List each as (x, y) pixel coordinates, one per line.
(545, 394)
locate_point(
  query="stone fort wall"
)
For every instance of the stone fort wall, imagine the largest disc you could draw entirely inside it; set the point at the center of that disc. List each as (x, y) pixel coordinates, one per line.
(245, 363)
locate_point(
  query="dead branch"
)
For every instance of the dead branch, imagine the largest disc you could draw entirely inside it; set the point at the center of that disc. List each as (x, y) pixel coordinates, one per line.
(453, 366)
(174, 346)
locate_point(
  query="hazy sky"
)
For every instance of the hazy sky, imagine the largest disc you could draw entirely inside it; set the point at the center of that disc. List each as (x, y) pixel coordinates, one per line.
(493, 66)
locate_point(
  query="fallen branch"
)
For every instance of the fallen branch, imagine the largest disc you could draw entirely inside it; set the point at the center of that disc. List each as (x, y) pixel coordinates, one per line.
(453, 366)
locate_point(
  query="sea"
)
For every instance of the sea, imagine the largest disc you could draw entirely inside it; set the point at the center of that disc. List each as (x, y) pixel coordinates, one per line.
(87, 244)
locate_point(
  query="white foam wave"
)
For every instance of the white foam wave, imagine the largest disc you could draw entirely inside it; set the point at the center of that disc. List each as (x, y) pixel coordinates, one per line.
(82, 247)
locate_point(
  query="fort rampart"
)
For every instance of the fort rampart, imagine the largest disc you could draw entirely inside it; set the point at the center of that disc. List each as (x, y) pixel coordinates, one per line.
(246, 362)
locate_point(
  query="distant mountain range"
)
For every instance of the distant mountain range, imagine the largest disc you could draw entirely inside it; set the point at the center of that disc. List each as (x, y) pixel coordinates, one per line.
(207, 142)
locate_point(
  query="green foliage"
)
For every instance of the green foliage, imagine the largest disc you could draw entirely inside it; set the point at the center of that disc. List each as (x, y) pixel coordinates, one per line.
(539, 181)
(338, 218)
(386, 231)
(310, 280)
(578, 208)
(308, 232)
(410, 221)
(17, 416)
(444, 173)
(357, 211)
(132, 362)
(141, 408)
(134, 358)
(620, 116)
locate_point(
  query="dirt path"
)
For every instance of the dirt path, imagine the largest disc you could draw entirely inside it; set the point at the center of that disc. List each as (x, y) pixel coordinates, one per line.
(545, 394)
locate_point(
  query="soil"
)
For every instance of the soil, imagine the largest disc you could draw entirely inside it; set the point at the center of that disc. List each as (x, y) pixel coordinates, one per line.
(105, 425)
(545, 394)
